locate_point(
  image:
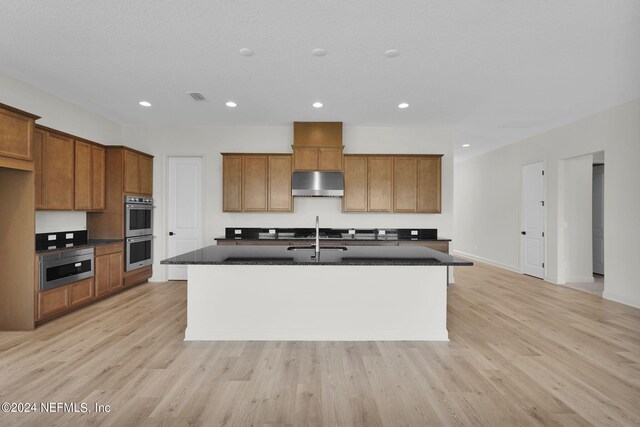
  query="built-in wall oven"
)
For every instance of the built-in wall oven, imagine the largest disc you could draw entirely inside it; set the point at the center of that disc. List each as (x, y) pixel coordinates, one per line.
(138, 232)
(139, 252)
(138, 216)
(65, 267)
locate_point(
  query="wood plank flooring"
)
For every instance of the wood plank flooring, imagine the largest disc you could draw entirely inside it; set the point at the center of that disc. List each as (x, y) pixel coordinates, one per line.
(522, 352)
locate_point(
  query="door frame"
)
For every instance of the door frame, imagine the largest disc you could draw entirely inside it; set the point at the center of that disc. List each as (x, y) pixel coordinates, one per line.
(544, 215)
(165, 210)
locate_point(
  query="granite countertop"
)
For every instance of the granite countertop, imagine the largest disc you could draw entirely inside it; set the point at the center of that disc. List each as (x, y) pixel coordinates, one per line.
(90, 244)
(280, 255)
(345, 238)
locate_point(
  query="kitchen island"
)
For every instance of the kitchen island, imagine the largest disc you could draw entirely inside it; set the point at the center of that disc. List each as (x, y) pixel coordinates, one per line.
(362, 293)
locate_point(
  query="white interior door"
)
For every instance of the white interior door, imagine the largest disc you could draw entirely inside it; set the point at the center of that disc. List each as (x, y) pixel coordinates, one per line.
(185, 210)
(598, 219)
(532, 233)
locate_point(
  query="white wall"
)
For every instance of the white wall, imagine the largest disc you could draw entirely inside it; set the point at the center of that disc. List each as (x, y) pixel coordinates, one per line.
(575, 210)
(210, 141)
(488, 188)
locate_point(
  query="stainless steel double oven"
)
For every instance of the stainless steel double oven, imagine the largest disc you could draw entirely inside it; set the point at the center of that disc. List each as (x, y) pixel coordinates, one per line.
(138, 232)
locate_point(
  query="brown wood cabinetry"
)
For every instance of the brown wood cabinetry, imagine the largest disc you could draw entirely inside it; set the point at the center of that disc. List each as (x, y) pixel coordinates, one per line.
(379, 183)
(280, 183)
(355, 184)
(55, 171)
(53, 302)
(83, 185)
(326, 159)
(108, 268)
(16, 138)
(392, 183)
(256, 182)
(138, 173)
(98, 178)
(81, 292)
(317, 146)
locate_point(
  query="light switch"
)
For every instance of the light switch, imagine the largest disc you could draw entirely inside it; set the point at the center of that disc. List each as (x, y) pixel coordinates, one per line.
(68, 236)
(238, 231)
(414, 232)
(51, 237)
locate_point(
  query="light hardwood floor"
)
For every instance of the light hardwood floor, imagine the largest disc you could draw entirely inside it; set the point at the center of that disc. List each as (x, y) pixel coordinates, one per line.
(522, 352)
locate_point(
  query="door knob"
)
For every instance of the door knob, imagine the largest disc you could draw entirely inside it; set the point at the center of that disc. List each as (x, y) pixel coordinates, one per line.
(171, 233)
(524, 233)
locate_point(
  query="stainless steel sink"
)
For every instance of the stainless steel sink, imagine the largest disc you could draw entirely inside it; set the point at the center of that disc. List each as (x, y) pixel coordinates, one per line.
(313, 248)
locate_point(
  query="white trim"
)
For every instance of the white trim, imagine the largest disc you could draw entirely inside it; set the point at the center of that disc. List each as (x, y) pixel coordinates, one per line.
(579, 279)
(620, 299)
(487, 261)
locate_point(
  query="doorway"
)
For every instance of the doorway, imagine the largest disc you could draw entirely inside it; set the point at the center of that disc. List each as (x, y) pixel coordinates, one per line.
(598, 214)
(532, 231)
(184, 205)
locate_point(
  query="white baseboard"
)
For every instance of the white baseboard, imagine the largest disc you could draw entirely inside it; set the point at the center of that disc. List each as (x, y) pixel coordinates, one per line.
(192, 334)
(619, 298)
(579, 279)
(486, 261)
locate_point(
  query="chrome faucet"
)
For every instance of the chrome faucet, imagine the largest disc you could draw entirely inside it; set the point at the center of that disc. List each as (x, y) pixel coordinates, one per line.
(317, 235)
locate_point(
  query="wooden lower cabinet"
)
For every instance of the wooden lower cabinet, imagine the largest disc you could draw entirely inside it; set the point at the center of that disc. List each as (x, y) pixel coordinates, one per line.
(53, 301)
(81, 292)
(108, 269)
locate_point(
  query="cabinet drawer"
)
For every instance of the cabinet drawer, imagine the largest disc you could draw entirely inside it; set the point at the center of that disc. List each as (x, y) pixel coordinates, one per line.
(138, 277)
(81, 292)
(108, 249)
(53, 301)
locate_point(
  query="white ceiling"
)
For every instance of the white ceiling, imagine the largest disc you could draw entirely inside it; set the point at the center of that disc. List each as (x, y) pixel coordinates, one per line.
(495, 70)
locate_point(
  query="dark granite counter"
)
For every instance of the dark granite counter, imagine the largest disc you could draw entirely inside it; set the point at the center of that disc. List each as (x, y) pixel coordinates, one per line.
(91, 243)
(346, 239)
(280, 255)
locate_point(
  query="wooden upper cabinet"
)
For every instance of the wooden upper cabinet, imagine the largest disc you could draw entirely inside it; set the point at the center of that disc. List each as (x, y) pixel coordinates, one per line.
(83, 184)
(138, 173)
(98, 178)
(16, 135)
(254, 183)
(429, 184)
(280, 169)
(58, 172)
(329, 159)
(355, 184)
(146, 175)
(39, 137)
(379, 185)
(131, 181)
(405, 180)
(317, 133)
(232, 183)
(305, 158)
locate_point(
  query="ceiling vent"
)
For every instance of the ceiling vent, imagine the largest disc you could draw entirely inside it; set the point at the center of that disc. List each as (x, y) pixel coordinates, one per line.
(197, 96)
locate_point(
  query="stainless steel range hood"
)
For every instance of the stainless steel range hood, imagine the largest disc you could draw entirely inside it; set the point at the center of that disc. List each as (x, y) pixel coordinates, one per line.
(317, 184)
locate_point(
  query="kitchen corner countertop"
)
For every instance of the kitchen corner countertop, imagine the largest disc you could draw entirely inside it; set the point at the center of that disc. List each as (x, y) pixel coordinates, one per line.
(91, 243)
(352, 255)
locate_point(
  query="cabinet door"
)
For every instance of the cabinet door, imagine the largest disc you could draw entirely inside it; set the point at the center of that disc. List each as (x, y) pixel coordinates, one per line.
(146, 175)
(305, 159)
(254, 183)
(97, 178)
(429, 184)
(38, 167)
(115, 270)
(231, 183)
(379, 185)
(53, 301)
(101, 275)
(58, 172)
(330, 159)
(81, 292)
(355, 184)
(131, 172)
(280, 198)
(405, 184)
(16, 133)
(83, 185)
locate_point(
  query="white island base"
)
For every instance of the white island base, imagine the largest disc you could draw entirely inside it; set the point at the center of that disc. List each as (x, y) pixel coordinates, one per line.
(317, 303)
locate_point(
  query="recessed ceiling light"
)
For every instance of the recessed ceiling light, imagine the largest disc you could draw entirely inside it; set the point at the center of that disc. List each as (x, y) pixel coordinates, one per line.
(145, 103)
(231, 104)
(317, 105)
(466, 145)
(319, 52)
(403, 105)
(245, 51)
(391, 53)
